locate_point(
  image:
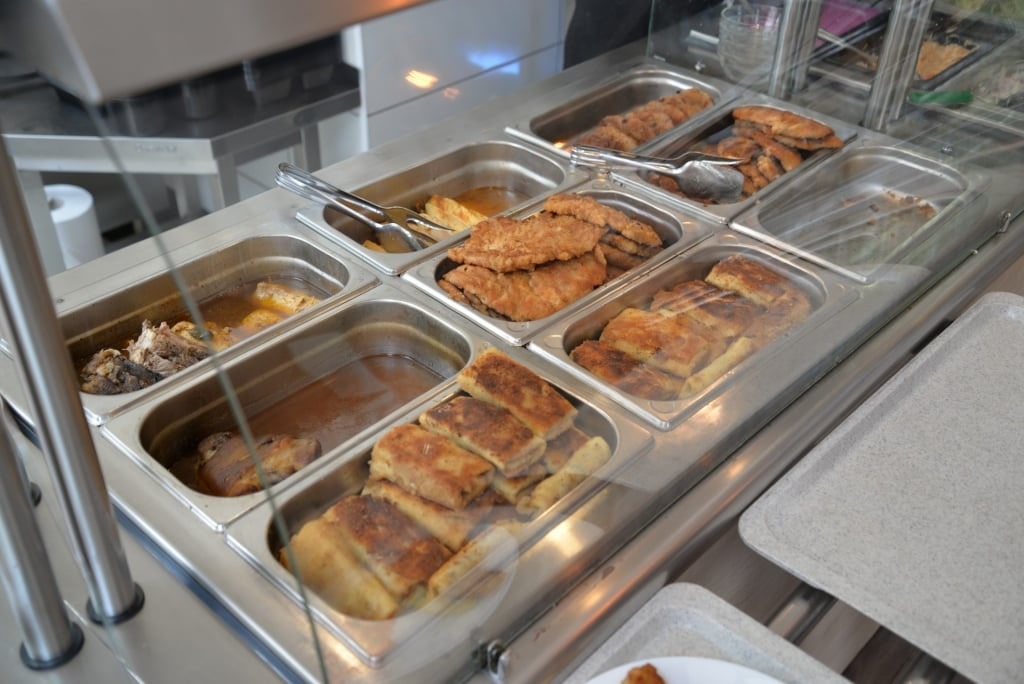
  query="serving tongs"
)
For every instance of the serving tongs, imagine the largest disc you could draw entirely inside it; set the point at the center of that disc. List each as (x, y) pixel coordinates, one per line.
(699, 175)
(396, 229)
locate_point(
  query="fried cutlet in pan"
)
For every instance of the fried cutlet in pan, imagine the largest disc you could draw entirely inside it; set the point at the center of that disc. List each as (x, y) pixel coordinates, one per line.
(590, 210)
(531, 295)
(496, 378)
(503, 244)
(488, 430)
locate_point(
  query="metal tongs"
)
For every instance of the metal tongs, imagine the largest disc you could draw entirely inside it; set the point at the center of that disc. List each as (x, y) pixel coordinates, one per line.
(699, 175)
(396, 229)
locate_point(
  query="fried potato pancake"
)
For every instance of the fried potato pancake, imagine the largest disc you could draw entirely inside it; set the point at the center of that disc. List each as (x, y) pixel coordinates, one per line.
(401, 554)
(496, 378)
(328, 566)
(430, 466)
(621, 370)
(669, 342)
(487, 430)
(450, 527)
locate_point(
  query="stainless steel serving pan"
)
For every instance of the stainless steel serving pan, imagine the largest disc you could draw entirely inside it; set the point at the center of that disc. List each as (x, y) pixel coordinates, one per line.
(208, 267)
(715, 125)
(539, 559)
(585, 104)
(362, 363)
(767, 376)
(677, 230)
(983, 77)
(491, 161)
(869, 206)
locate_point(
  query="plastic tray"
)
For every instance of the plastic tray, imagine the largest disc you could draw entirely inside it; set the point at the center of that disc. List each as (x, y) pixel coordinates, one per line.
(688, 620)
(911, 512)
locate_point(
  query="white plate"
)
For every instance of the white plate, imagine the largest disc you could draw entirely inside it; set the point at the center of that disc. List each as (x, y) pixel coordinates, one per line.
(687, 670)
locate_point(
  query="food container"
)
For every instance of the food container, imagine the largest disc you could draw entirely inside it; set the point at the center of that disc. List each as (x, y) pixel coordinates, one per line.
(719, 126)
(996, 86)
(228, 261)
(566, 122)
(511, 173)
(330, 379)
(514, 582)
(677, 231)
(944, 30)
(761, 379)
(869, 206)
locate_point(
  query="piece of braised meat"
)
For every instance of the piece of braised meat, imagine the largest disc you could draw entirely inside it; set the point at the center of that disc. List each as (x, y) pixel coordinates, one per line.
(110, 372)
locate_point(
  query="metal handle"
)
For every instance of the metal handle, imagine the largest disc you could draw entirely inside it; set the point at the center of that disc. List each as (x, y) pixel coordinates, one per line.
(304, 183)
(586, 155)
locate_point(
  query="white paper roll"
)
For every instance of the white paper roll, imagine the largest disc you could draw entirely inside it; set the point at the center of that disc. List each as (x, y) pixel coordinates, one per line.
(74, 217)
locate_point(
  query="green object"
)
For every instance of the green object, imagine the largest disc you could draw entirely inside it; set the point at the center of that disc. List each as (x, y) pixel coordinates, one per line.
(947, 97)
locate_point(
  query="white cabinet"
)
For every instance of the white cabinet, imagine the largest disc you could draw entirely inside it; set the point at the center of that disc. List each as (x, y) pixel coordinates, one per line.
(441, 58)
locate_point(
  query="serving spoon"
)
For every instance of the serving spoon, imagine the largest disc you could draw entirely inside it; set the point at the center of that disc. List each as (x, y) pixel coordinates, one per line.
(699, 175)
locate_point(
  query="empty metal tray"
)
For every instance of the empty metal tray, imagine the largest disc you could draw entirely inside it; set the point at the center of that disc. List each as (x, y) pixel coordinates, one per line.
(868, 207)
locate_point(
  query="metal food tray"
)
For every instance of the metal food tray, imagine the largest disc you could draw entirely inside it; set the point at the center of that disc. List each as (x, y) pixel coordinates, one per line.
(565, 122)
(717, 124)
(843, 67)
(867, 207)
(979, 111)
(677, 230)
(688, 620)
(909, 511)
(208, 267)
(489, 162)
(537, 559)
(384, 322)
(755, 384)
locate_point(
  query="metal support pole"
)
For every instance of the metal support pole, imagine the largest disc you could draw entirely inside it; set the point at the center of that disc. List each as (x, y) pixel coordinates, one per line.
(45, 369)
(897, 62)
(50, 637)
(797, 32)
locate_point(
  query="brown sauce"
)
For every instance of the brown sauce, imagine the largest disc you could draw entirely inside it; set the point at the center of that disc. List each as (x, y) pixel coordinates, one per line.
(228, 308)
(490, 200)
(340, 404)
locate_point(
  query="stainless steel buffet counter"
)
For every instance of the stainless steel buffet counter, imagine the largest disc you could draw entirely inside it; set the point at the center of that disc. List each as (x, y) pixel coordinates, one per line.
(680, 471)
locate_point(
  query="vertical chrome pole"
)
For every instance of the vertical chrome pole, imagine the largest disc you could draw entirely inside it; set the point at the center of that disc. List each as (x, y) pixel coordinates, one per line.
(897, 62)
(797, 32)
(44, 368)
(50, 637)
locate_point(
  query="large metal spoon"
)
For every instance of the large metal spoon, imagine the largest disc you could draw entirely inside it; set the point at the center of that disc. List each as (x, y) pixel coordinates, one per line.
(699, 175)
(396, 229)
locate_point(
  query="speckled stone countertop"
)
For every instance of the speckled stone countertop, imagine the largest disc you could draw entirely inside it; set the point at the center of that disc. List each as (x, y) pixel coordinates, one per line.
(912, 511)
(688, 620)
